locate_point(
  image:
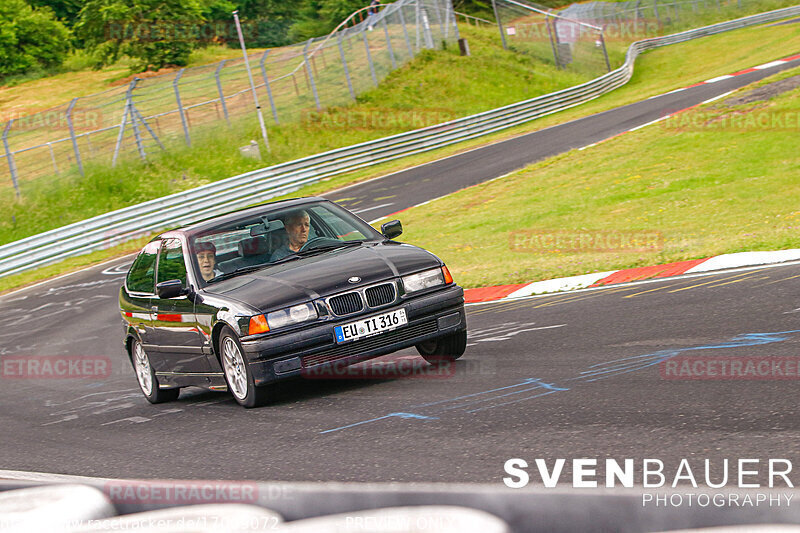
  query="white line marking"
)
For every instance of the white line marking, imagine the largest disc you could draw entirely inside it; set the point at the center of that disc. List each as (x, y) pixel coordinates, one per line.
(770, 64)
(719, 78)
(718, 97)
(371, 208)
(649, 123)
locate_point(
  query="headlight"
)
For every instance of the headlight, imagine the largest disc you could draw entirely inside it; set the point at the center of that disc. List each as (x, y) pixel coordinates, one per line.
(284, 317)
(291, 315)
(423, 280)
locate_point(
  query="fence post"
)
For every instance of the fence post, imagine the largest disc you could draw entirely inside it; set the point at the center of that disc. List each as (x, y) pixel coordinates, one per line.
(500, 26)
(655, 10)
(344, 66)
(72, 135)
(405, 32)
(552, 41)
(455, 22)
(311, 74)
(12, 167)
(123, 122)
(369, 58)
(219, 90)
(417, 18)
(53, 158)
(180, 107)
(266, 84)
(605, 52)
(389, 43)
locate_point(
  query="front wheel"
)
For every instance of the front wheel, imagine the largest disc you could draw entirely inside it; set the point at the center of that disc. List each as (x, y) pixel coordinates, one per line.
(147, 376)
(444, 349)
(237, 373)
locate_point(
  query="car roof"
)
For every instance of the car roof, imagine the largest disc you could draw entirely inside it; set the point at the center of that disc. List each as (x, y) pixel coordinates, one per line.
(203, 225)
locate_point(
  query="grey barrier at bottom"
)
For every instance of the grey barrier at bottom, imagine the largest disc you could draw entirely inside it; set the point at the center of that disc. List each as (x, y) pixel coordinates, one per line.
(523, 510)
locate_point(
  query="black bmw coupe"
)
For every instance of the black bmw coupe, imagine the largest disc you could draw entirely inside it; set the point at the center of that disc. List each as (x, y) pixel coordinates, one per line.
(246, 299)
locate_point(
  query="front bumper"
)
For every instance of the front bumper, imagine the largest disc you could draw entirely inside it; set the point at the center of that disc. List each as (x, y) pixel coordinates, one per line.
(429, 316)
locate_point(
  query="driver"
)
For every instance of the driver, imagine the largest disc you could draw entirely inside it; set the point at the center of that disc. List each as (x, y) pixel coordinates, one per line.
(207, 260)
(297, 224)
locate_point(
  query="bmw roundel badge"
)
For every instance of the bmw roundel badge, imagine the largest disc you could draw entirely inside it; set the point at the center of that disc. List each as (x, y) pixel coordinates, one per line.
(354, 279)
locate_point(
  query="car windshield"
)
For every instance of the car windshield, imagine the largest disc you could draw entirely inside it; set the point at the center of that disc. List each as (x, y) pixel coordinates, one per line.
(276, 236)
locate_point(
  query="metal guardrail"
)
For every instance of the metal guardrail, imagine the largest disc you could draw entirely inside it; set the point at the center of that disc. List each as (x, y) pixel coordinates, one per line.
(260, 185)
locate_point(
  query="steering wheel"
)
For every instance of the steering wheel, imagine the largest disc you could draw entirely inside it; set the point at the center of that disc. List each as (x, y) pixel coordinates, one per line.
(316, 241)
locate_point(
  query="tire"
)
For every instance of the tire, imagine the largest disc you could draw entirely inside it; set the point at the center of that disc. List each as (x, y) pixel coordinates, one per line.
(444, 349)
(146, 376)
(237, 373)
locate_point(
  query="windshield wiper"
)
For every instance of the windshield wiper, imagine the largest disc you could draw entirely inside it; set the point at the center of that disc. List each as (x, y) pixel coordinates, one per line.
(327, 247)
(240, 270)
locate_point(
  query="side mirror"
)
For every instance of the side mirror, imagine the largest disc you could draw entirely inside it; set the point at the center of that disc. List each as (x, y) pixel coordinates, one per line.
(170, 289)
(392, 229)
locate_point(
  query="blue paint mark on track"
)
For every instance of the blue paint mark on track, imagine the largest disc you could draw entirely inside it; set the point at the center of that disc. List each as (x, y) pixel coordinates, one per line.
(519, 392)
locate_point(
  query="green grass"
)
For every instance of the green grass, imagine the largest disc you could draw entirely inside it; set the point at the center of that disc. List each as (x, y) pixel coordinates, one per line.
(656, 72)
(413, 96)
(709, 188)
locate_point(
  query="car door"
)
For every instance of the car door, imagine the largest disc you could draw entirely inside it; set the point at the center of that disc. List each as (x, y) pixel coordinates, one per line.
(136, 300)
(176, 334)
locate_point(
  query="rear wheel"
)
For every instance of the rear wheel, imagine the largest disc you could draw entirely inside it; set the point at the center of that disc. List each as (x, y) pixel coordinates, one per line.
(237, 373)
(146, 376)
(444, 349)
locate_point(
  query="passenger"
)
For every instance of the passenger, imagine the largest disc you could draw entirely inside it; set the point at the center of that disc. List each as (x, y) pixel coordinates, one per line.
(207, 260)
(297, 224)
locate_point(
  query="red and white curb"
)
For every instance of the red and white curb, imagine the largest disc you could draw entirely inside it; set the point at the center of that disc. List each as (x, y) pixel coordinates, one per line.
(613, 277)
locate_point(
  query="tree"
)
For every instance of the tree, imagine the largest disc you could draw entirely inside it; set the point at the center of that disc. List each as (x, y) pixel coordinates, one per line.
(66, 10)
(152, 32)
(30, 38)
(319, 17)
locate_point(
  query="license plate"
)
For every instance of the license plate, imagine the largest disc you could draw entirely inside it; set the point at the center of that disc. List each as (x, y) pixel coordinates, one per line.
(368, 327)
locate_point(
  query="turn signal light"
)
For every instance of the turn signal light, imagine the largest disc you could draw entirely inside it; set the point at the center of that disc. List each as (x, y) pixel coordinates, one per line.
(258, 324)
(448, 278)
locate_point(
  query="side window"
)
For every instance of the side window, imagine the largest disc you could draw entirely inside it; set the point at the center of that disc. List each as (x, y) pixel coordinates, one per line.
(142, 276)
(171, 264)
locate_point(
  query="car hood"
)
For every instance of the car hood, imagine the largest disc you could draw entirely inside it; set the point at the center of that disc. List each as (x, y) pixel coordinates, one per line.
(321, 275)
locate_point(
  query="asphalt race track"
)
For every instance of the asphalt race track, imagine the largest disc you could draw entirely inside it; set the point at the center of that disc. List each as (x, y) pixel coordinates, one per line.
(560, 376)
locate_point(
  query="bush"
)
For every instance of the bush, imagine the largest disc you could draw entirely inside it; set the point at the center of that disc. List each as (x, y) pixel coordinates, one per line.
(30, 39)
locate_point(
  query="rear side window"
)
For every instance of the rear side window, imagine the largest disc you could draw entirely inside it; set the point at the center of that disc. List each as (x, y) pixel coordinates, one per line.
(171, 265)
(142, 276)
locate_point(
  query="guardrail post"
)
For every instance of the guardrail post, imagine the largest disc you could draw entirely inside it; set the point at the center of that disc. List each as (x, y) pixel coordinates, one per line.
(405, 32)
(219, 90)
(311, 74)
(266, 84)
(344, 66)
(500, 26)
(180, 107)
(72, 135)
(12, 166)
(389, 43)
(369, 58)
